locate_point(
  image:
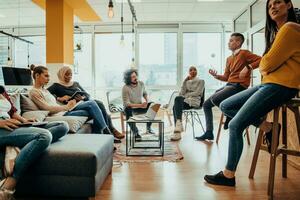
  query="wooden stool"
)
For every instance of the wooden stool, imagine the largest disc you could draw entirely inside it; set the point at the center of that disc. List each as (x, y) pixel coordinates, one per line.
(220, 127)
(293, 105)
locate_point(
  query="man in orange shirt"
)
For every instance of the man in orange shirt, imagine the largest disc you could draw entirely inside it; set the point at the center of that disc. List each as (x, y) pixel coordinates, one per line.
(237, 75)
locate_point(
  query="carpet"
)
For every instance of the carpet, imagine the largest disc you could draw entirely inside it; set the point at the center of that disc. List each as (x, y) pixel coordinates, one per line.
(172, 151)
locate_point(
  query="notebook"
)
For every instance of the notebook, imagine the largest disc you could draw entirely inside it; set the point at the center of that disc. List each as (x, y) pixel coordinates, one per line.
(150, 114)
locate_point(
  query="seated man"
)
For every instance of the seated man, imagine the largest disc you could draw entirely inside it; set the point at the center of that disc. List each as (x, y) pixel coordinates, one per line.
(132, 93)
(189, 97)
(237, 75)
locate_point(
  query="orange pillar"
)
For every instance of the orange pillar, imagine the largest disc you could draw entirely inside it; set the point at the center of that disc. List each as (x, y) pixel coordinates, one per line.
(59, 36)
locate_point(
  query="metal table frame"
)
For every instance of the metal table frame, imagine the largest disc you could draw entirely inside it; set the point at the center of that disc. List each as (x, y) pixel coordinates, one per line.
(131, 140)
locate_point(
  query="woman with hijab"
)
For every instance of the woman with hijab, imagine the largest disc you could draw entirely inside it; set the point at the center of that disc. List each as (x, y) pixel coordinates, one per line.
(65, 88)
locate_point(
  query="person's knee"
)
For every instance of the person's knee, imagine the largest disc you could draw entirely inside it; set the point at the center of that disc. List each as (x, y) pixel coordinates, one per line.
(178, 99)
(64, 127)
(207, 104)
(44, 138)
(223, 106)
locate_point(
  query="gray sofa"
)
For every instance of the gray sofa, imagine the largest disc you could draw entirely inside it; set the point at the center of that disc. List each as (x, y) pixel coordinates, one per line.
(75, 166)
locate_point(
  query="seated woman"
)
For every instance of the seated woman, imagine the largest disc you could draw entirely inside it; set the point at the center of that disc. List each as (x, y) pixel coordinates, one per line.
(31, 140)
(280, 68)
(46, 101)
(66, 88)
(189, 97)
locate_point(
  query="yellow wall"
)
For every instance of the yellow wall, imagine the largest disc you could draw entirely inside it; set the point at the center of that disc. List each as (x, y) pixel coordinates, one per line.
(59, 32)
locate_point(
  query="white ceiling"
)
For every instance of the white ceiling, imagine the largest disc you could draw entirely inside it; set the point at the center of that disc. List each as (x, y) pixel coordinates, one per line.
(24, 12)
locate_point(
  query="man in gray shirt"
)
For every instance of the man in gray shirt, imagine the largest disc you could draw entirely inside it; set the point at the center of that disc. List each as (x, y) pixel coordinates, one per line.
(133, 93)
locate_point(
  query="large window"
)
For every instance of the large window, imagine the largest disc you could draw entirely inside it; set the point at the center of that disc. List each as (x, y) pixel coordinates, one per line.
(241, 24)
(83, 60)
(112, 59)
(258, 12)
(27, 54)
(204, 51)
(3, 50)
(258, 47)
(158, 58)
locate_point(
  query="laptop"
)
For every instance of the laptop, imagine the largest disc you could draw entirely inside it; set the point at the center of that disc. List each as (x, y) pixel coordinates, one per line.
(150, 114)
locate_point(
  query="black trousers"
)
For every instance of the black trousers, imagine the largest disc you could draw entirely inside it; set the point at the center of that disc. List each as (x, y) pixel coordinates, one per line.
(129, 113)
(214, 100)
(179, 106)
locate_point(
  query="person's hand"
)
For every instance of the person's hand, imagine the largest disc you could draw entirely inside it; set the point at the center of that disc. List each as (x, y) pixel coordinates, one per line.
(144, 105)
(64, 98)
(30, 120)
(9, 124)
(187, 78)
(71, 104)
(213, 72)
(79, 97)
(244, 73)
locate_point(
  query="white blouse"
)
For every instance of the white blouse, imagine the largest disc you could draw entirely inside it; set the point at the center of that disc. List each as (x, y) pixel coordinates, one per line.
(5, 107)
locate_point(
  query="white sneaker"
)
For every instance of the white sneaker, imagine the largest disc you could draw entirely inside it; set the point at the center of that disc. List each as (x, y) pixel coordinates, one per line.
(178, 127)
(176, 136)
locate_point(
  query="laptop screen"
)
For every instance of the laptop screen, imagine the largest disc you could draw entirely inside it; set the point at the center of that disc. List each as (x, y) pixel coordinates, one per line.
(16, 76)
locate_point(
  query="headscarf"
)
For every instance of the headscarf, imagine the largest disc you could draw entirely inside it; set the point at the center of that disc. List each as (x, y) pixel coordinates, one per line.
(61, 76)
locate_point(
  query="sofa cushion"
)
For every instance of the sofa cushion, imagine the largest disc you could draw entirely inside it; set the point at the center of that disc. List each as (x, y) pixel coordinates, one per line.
(75, 155)
(74, 122)
(27, 104)
(39, 115)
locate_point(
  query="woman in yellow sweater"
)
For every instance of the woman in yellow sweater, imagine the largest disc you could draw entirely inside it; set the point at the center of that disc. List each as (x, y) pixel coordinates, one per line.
(280, 68)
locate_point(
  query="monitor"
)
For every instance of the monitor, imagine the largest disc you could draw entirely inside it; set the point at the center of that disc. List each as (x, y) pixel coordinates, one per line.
(16, 76)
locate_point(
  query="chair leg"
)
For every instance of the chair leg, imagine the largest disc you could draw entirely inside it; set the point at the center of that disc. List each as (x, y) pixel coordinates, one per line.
(273, 153)
(199, 120)
(186, 120)
(247, 135)
(220, 127)
(256, 153)
(192, 116)
(122, 122)
(169, 118)
(297, 118)
(284, 141)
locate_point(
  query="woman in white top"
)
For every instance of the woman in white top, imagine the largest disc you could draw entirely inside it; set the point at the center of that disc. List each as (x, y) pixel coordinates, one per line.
(31, 140)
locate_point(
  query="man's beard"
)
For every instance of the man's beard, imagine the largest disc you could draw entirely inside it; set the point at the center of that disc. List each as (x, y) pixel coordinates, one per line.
(134, 82)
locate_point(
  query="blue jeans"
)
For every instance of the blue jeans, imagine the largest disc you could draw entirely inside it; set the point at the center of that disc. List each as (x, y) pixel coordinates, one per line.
(32, 141)
(248, 108)
(90, 109)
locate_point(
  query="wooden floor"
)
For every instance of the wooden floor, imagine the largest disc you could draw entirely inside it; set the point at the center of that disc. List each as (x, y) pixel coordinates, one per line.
(184, 180)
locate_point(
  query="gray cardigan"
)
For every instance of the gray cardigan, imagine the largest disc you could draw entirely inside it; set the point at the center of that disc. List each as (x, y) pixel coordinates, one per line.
(192, 90)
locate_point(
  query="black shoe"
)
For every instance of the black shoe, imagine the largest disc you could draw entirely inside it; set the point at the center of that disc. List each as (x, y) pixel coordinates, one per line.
(117, 141)
(106, 131)
(268, 138)
(220, 179)
(208, 135)
(138, 137)
(226, 123)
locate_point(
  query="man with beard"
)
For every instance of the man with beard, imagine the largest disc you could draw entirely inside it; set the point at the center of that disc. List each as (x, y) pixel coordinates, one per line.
(133, 93)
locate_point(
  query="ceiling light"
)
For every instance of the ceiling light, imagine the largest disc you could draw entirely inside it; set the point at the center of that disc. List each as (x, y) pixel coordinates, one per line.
(110, 9)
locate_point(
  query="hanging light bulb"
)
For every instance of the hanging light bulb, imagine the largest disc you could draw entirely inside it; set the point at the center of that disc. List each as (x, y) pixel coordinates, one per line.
(122, 42)
(110, 9)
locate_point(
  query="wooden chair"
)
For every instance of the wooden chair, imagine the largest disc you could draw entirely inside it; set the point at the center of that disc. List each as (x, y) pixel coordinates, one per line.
(276, 150)
(221, 126)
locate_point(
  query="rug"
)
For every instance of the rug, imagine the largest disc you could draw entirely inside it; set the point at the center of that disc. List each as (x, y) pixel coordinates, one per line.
(172, 151)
